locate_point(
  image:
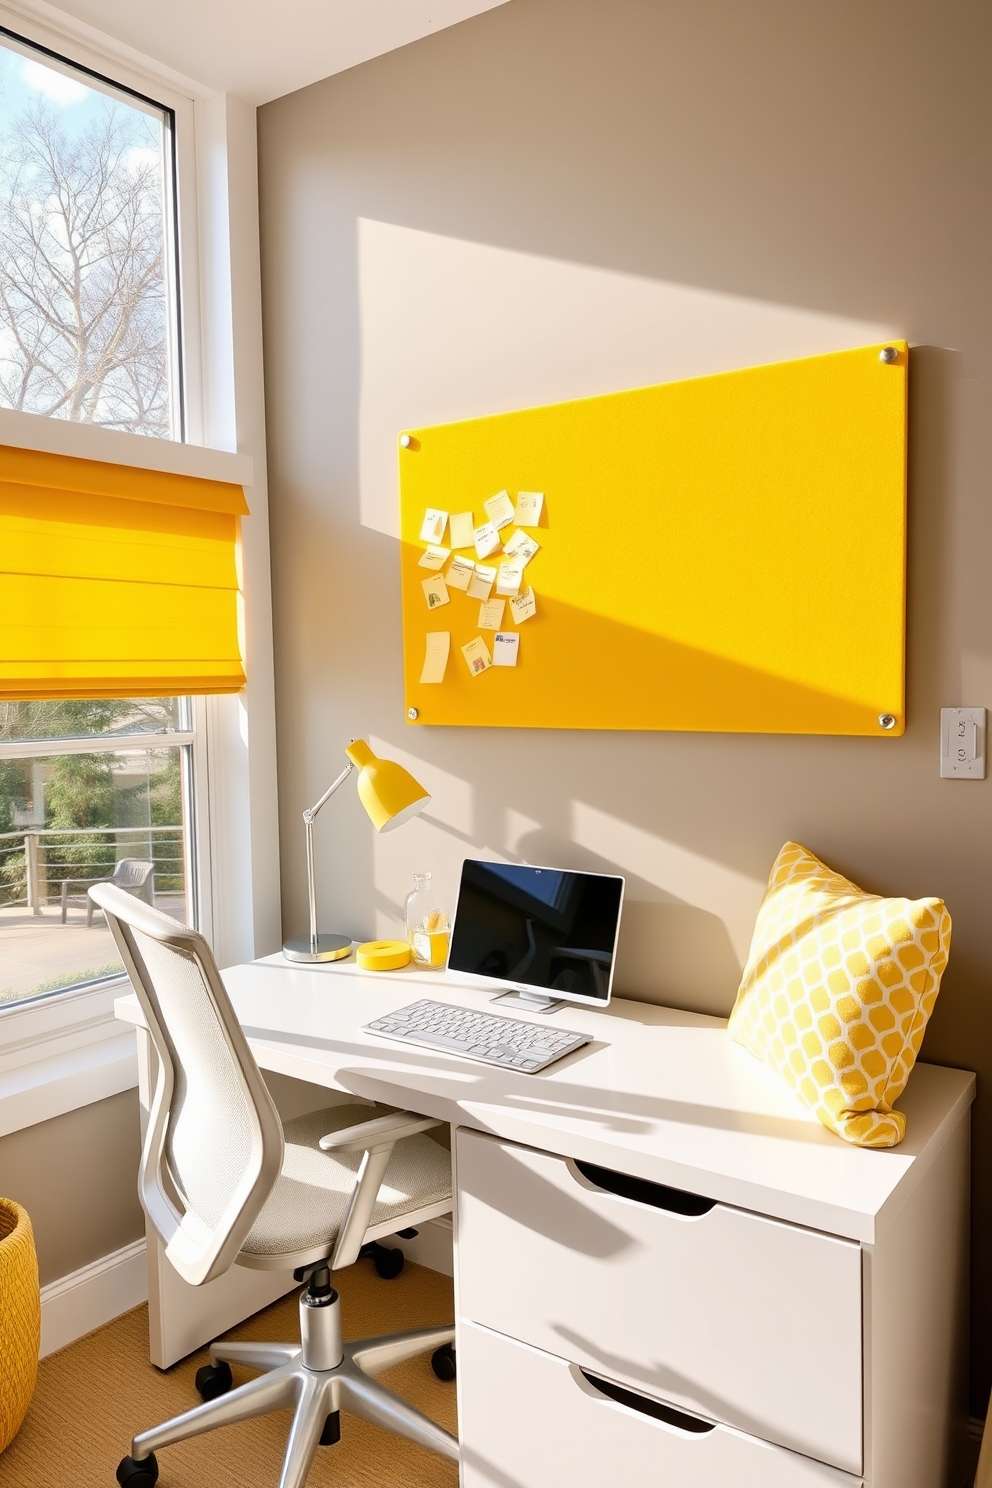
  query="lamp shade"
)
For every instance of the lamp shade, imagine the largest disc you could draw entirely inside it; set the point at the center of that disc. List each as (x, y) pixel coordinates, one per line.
(389, 793)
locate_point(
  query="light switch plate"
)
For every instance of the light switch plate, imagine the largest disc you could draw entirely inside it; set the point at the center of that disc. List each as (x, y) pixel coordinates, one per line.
(962, 743)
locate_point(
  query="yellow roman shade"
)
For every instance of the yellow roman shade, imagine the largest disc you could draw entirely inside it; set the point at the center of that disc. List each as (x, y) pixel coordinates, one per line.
(116, 581)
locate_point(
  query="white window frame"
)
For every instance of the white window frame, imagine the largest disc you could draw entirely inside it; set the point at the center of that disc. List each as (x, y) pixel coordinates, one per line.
(66, 1050)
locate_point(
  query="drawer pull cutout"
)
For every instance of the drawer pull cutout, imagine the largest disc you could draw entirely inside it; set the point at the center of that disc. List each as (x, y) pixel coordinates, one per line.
(648, 1407)
(676, 1200)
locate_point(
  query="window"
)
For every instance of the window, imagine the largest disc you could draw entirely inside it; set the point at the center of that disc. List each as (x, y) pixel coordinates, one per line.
(84, 786)
(89, 329)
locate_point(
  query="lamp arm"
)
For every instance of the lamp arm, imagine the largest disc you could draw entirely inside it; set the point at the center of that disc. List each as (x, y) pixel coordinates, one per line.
(308, 820)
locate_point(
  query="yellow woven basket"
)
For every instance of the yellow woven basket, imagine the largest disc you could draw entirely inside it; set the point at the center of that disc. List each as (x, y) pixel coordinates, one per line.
(20, 1318)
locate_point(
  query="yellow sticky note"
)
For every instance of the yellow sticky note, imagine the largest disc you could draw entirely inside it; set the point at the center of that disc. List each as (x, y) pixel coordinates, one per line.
(523, 606)
(521, 547)
(477, 657)
(499, 509)
(491, 614)
(506, 644)
(434, 557)
(460, 572)
(511, 576)
(433, 525)
(436, 656)
(529, 503)
(486, 540)
(481, 582)
(461, 527)
(435, 592)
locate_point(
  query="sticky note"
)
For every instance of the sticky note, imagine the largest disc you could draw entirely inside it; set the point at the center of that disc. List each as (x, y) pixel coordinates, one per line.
(436, 656)
(491, 614)
(486, 540)
(477, 657)
(460, 572)
(510, 578)
(482, 581)
(461, 527)
(506, 644)
(499, 509)
(528, 513)
(523, 606)
(435, 592)
(521, 547)
(434, 557)
(432, 530)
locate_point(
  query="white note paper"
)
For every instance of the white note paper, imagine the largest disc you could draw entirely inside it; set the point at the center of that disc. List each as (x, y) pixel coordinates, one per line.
(460, 572)
(529, 503)
(491, 614)
(506, 644)
(523, 606)
(486, 540)
(499, 509)
(434, 557)
(436, 655)
(461, 526)
(482, 581)
(435, 592)
(434, 524)
(510, 578)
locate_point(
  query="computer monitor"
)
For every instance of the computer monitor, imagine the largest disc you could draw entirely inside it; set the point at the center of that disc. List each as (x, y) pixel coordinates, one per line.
(543, 935)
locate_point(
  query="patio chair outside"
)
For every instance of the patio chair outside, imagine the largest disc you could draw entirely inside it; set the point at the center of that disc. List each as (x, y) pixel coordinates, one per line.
(133, 875)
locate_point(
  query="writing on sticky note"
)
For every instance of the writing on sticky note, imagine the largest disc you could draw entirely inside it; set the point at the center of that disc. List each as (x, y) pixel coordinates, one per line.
(499, 509)
(523, 606)
(435, 592)
(506, 644)
(461, 526)
(486, 540)
(477, 657)
(529, 503)
(436, 656)
(481, 582)
(491, 614)
(460, 572)
(521, 547)
(510, 578)
(434, 557)
(434, 523)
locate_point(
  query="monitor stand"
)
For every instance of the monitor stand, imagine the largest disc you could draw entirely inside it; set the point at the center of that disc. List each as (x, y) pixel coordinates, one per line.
(531, 1002)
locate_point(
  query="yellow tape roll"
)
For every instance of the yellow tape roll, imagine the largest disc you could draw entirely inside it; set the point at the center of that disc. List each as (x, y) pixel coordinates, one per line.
(382, 955)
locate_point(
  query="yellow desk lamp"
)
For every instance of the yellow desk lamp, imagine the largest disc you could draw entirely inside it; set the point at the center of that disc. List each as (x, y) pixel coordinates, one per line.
(390, 796)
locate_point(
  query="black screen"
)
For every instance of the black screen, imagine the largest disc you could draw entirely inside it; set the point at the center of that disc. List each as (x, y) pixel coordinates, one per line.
(538, 927)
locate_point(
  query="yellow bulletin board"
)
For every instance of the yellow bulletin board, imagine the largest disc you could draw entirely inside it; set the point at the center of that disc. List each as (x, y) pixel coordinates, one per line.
(725, 554)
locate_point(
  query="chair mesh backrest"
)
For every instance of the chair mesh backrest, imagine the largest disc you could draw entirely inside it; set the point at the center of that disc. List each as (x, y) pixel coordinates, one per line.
(211, 1122)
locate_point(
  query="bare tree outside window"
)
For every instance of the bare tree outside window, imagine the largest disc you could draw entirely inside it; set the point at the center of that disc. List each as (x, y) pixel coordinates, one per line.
(85, 314)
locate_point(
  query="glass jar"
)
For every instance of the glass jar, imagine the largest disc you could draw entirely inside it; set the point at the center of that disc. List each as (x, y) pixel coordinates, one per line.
(426, 925)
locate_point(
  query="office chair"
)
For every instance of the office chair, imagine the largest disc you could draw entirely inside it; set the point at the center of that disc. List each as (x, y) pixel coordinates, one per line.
(224, 1183)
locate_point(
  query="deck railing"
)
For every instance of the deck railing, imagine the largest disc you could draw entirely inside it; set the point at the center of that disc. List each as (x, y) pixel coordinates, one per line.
(35, 862)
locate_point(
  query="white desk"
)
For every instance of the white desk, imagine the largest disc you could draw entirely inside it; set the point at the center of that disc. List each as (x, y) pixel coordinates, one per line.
(829, 1281)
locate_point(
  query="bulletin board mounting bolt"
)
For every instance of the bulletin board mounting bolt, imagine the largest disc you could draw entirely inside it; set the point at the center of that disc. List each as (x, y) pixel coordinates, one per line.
(412, 714)
(888, 354)
(886, 721)
(404, 441)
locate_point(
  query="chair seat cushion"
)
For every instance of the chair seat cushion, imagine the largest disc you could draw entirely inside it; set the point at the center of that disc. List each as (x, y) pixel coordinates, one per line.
(312, 1194)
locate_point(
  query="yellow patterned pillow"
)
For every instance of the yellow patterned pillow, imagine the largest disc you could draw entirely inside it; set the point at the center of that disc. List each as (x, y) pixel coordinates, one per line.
(837, 992)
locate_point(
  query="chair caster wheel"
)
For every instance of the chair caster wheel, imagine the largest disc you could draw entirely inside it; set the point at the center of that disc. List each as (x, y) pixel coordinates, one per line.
(388, 1263)
(134, 1474)
(443, 1362)
(214, 1380)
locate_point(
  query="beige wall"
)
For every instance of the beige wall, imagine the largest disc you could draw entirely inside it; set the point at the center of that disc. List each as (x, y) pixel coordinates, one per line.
(563, 197)
(76, 1177)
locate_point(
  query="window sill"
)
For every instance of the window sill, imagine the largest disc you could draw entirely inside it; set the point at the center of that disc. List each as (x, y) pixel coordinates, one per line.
(62, 1053)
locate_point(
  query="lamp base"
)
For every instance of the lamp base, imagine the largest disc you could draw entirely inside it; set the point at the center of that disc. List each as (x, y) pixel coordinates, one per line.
(329, 948)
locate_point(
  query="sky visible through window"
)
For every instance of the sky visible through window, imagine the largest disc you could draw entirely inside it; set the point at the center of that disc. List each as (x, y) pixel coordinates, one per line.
(85, 315)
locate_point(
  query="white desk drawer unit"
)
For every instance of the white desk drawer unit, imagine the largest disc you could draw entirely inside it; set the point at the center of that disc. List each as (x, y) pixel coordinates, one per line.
(747, 1321)
(513, 1391)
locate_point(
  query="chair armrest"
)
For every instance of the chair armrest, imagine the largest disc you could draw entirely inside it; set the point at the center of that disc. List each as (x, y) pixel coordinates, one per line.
(377, 1132)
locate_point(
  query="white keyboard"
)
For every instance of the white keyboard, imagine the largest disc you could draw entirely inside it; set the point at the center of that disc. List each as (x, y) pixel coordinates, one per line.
(527, 1047)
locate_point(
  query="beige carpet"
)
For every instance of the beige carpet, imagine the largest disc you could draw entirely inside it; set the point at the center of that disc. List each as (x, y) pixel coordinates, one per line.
(96, 1393)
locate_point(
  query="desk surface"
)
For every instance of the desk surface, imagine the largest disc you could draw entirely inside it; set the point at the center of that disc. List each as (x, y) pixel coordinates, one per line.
(662, 1094)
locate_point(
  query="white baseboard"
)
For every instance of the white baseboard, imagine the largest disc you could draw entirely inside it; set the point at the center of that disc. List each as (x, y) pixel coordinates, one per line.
(93, 1295)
